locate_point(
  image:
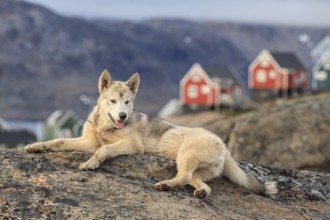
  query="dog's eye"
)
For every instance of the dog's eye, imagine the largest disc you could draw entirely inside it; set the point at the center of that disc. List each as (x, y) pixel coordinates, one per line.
(113, 101)
(126, 102)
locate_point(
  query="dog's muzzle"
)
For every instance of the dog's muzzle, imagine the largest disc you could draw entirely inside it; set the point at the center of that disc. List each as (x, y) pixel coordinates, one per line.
(119, 123)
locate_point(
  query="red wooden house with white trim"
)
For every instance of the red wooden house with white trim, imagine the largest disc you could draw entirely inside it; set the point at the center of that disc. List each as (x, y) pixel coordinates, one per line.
(275, 74)
(197, 89)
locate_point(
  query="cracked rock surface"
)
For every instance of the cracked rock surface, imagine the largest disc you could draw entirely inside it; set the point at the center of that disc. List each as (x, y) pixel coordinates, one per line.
(50, 186)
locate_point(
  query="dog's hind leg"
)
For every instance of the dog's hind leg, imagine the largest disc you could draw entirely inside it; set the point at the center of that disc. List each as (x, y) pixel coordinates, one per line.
(199, 176)
(186, 167)
(193, 171)
(76, 144)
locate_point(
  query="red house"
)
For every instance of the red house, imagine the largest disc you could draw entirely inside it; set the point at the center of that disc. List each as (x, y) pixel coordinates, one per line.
(197, 89)
(274, 74)
(231, 88)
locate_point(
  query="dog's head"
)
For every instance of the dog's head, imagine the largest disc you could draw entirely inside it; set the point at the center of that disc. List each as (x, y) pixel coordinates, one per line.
(117, 98)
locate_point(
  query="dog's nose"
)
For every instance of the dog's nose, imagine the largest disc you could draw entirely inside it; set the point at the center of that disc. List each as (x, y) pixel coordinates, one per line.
(122, 116)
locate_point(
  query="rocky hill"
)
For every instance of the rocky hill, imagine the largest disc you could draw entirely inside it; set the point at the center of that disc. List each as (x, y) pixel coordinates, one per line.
(285, 133)
(47, 61)
(50, 186)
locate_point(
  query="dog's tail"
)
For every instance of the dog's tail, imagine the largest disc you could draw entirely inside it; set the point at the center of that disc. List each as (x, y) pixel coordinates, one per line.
(238, 176)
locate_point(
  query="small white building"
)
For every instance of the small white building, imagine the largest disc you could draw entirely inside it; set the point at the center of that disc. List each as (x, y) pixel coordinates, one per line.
(170, 108)
(3, 124)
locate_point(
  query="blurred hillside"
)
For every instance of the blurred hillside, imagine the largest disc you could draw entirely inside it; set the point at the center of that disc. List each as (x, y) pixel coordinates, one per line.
(47, 61)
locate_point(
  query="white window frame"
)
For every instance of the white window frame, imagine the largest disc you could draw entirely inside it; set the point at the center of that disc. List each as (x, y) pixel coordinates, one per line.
(205, 89)
(326, 62)
(321, 76)
(192, 91)
(272, 74)
(261, 76)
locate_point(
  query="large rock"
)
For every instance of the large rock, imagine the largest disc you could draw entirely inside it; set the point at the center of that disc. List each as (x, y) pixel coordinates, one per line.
(50, 186)
(287, 134)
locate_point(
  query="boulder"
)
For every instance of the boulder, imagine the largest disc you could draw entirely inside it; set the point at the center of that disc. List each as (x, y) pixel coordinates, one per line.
(291, 134)
(50, 186)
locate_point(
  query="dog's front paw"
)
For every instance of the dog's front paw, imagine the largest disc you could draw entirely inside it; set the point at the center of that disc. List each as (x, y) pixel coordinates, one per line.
(34, 148)
(89, 165)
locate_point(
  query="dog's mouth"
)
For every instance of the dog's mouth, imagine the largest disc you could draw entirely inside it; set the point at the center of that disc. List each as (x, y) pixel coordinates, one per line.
(119, 124)
(116, 123)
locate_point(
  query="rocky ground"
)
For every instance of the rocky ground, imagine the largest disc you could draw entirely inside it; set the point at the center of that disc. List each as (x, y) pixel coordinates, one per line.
(50, 186)
(285, 134)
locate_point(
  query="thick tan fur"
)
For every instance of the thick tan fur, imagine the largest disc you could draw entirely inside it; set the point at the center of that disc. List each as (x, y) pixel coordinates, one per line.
(113, 128)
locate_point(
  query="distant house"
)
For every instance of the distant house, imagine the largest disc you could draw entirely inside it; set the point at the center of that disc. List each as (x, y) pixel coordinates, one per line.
(172, 107)
(210, 87)
(276, 74)
(321, 49)
(231, 88)
(321, 74)
(58, 124)
(197, 89)
(62, 125)
(321, 69)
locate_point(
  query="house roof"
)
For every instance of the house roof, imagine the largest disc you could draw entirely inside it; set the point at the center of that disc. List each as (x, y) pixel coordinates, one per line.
(322, 47)
(222, 73)
(321, 62)
(287, 60)
(196, 67)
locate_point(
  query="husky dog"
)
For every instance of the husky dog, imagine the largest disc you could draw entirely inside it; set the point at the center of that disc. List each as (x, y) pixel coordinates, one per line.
(114, 128)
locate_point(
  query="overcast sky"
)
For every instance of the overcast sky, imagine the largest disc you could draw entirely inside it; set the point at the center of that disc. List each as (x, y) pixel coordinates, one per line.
(287, 12)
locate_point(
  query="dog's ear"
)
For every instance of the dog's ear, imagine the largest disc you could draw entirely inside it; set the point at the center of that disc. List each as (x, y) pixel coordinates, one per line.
(104, 81)
(133, 83)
